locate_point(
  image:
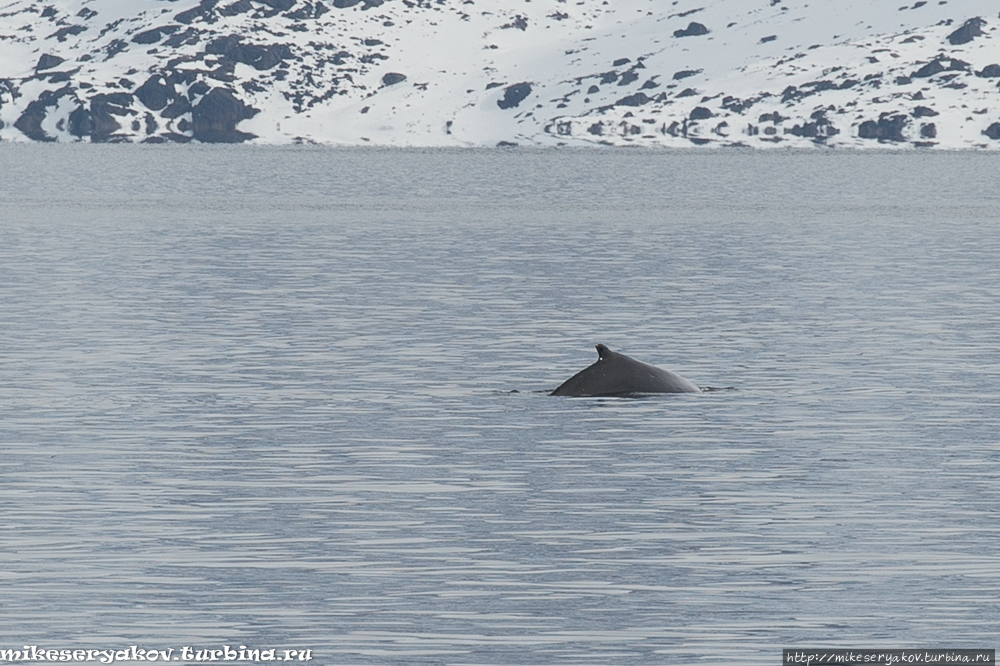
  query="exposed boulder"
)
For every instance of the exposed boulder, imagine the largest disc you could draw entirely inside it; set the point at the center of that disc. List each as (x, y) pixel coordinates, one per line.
(62, 34)
(392, 78)
(204, 11)
(737, 105)
(889, 127)
(630, 76)
(30, 121)
(98, 122)
(308, 11)
(819, 129)
(114, 48)
(519, 22)
(177, 108)
(237, 8)
(197, 89)
(693, 30)
(685, 73)
(154, 93)
(154, 35)
(514, 95)
(215, 118)
(700, 113)
(223, 45)
(969, 31)
(48, 61)
(993, 131)
(636, 99)
(941, 64)
(989, 72)
(924, 112)
(189, 36)
(261, 58)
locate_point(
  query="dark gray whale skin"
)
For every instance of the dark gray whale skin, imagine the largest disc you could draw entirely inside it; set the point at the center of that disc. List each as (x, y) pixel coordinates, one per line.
(618, 374)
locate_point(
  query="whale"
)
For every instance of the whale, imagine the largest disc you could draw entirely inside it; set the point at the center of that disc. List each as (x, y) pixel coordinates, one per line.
(617, 374)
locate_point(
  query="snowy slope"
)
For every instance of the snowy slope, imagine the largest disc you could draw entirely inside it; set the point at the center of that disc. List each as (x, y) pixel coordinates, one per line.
(761, 73)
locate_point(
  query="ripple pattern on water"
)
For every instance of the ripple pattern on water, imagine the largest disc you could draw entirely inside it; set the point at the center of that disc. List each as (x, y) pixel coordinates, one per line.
(291, 412)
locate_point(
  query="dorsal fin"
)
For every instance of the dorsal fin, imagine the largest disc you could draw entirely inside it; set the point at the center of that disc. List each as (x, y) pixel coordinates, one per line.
(603, 351)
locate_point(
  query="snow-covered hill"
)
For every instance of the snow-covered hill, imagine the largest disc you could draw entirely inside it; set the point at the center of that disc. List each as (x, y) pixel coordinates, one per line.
(761, 73)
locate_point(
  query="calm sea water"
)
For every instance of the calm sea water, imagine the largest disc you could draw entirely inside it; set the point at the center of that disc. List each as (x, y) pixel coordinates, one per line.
(295, 398)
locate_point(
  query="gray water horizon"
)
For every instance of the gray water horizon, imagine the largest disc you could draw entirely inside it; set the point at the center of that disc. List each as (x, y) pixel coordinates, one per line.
(297, 397)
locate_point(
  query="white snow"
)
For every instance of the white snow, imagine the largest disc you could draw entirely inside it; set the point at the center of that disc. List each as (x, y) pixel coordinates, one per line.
(769, 73)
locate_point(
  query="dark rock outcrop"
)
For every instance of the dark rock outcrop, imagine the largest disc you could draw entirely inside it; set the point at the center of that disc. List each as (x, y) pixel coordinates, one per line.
(48, 61)
(308, 11)
(204, 11)
(631, 76)
(819, 129)
(98, 122)
(519, 22)
(62, 34)
(223, 45)
(114, 48)
(197, 89)
(237, 8)
(792, 93)
(154, 93)
(700, 113)
(636, 99)
(924, 112)
(693, 30)
(889, 127)
(154, 35)
(177, 108)
(189, 36)
(30, 121)
(261, 58)
(969, 31)
(993, 131)
(685, 73)
(514, 95)
(989, 72)
(215, 118)
(939, 65)
(737, 105)
(392, 78)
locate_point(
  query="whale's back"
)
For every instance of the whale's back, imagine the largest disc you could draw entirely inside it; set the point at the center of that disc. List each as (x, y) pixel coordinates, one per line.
(618, 374)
